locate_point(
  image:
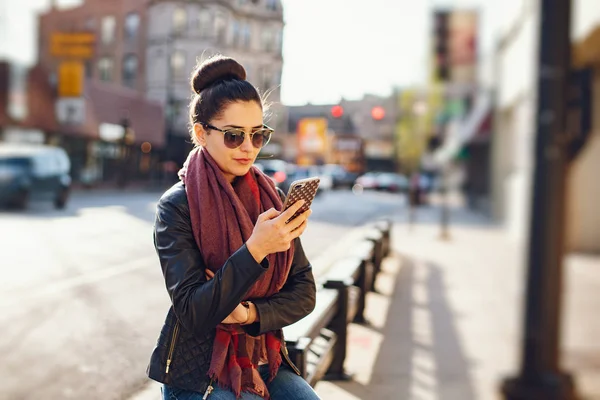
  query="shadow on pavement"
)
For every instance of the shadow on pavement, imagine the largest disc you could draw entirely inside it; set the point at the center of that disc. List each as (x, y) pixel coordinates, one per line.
(420, 355)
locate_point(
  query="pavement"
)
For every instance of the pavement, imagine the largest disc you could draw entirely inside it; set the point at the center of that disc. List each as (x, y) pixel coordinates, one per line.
(445, 322)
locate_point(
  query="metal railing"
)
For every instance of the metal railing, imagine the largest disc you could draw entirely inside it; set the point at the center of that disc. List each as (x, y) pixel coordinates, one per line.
(317, 344)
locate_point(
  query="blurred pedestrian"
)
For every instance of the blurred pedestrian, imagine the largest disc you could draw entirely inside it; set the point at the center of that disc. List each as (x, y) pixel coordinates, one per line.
(234, 269)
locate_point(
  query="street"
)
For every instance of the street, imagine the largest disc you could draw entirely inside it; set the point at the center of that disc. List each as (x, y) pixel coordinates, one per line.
(83, 295)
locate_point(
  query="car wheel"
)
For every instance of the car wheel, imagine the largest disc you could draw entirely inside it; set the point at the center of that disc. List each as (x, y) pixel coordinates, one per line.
(22, 199)
(60, 202)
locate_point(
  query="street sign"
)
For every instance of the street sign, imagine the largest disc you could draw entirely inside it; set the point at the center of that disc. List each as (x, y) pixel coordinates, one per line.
(70, 79)
(72, 45)
(70, 110)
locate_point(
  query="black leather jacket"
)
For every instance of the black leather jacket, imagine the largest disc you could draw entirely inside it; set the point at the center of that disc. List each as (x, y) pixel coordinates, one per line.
(183, 351)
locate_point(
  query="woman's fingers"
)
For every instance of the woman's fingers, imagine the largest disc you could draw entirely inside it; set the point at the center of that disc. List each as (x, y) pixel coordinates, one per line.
(209, 274)
(299, 220)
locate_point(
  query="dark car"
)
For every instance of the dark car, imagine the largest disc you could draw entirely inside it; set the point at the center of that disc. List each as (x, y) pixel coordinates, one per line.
(277, 170)
(340, 176)
(34, 172)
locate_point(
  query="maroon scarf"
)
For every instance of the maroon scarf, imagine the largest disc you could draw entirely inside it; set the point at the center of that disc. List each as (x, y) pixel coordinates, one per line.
(223, 217)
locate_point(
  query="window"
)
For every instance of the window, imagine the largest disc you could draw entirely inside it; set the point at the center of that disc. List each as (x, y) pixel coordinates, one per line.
(267, 39)
(130, 69)
(279, 41)
(179, 20)
(221, 28)
(272, 5)
(132, 24)
(246, 36)
(178, 64)
(205, 23)
(108, 29)
(90, 24)
(105, 69)
(265, 79)
(236, 33)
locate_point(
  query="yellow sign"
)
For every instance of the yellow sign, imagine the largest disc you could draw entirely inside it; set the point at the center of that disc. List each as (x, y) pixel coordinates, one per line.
(82, 38)
(70, 79)
(312, 135)
(312, 140)
(72, 45)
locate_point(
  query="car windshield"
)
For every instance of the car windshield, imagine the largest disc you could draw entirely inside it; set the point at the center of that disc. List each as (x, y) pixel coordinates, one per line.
(15, 162)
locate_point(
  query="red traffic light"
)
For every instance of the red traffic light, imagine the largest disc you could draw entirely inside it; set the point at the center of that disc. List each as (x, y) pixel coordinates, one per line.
(337, 111)
(378, 113)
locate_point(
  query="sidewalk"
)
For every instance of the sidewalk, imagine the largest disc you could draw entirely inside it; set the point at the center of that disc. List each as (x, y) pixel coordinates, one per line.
(446, 321)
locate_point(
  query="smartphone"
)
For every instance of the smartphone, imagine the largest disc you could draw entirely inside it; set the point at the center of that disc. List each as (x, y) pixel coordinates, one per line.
(302, 189)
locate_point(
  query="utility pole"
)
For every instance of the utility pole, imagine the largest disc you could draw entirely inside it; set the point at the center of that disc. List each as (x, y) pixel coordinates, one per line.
(540, 376)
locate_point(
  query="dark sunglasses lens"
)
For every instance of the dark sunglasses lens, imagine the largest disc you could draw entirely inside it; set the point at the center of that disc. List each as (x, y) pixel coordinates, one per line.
(261, 138)
(234, 139)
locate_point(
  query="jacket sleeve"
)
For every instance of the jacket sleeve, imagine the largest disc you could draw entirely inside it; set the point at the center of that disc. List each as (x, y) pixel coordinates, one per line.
(198, 304)
(293, 302)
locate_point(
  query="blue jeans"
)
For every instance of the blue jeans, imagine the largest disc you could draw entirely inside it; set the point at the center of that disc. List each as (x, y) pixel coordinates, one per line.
(287, 385)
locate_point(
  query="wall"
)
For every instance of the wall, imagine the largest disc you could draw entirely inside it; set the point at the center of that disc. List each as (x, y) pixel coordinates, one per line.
(583, 204)
(512, 150)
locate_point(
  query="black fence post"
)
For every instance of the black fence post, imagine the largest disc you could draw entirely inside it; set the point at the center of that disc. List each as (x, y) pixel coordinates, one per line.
(362, 254)
(376, 237)
(339, 325)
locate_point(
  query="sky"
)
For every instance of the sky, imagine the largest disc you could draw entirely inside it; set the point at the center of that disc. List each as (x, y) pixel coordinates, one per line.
(332, 49)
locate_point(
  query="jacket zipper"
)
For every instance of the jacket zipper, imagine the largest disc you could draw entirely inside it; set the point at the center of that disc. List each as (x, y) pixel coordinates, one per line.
(287, 357)
(172, 348)
(209, 390)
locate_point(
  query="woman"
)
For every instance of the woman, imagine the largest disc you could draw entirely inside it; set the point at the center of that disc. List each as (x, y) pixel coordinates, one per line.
(235, 271)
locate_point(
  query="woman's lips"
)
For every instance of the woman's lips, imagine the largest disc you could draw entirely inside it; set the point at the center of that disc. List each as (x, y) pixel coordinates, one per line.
(243, 161)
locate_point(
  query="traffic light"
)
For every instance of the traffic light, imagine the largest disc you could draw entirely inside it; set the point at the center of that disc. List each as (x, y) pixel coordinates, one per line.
(441, 46)
(378, 113)
(337, 111)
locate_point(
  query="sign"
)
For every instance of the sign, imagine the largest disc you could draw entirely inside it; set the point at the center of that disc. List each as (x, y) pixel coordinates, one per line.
(70, 79)
(111, 132)
(455, 46)
(17, 92)
(379, 149)
(312, 135)
(70, 110)
(72, 45)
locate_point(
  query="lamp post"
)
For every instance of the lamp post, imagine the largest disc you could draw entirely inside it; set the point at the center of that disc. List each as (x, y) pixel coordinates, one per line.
(540, 376)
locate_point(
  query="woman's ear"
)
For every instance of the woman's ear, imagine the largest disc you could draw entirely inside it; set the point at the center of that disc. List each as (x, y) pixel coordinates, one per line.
(200, 134)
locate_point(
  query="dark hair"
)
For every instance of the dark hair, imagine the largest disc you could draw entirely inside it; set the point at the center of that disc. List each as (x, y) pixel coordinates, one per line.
(218, 82)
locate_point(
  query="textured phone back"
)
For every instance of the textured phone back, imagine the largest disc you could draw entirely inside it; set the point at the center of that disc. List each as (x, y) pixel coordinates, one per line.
(303, 190)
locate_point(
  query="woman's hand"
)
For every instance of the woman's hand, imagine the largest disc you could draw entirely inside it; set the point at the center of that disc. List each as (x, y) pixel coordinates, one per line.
(240, 314)
(272, 233)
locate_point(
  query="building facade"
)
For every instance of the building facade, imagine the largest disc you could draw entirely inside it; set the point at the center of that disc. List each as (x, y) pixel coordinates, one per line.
(183, 33)
(89, 85)
(120, 47)
(513, 146)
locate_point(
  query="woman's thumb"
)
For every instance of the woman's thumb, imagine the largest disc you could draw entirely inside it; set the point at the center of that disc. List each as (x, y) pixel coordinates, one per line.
(269, 214)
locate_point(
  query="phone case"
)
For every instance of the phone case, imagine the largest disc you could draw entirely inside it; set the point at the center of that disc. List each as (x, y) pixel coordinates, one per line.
(303, 189)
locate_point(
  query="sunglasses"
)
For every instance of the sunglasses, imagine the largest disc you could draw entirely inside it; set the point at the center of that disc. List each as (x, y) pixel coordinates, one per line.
(234, 137)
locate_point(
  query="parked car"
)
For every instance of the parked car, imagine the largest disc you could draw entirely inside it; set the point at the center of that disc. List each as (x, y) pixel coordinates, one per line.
(34, 172)
(277, 170)
(367, 181)
(391, 182)
(340, 177)
(301, 172)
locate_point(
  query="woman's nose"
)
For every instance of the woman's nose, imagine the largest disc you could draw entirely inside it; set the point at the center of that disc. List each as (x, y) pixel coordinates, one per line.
(247, 143)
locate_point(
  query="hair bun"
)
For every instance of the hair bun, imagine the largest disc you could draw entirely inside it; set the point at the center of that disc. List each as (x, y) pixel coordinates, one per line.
(215, 69)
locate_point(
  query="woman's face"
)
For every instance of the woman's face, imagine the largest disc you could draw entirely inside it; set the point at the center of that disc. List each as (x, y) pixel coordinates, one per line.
(232, 162)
